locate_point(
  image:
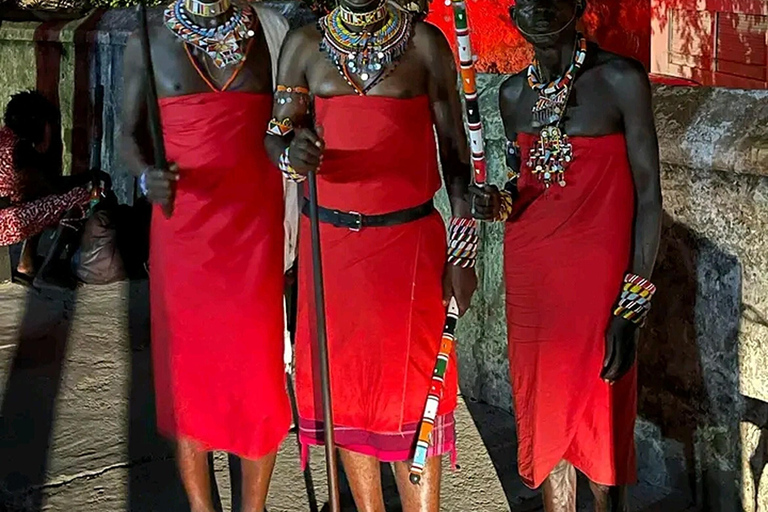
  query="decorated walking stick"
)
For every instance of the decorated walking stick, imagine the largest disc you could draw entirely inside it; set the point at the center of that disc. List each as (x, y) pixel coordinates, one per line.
(435, 393)
(153, 108)
(469, 86)
(475, 128)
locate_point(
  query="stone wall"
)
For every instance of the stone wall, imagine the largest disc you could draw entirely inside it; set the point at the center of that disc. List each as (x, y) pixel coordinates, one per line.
(703, 428)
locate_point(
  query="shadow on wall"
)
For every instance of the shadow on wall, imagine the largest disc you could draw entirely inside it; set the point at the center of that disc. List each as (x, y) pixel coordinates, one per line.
(689, 366)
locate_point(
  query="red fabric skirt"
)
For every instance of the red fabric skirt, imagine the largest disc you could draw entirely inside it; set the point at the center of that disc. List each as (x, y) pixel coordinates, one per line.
(566, 253)
(216, 279)
(383, 286)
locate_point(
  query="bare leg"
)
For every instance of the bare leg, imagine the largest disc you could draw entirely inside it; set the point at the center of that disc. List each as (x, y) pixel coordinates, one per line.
(256, 477)
(424, 497)
(364, 475)
(193, 467)
(610, 499)
(28, 252)
(559, 489)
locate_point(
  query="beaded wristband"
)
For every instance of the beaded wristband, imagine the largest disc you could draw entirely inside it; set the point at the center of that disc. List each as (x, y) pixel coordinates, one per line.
(289, 172)
(635, 301)
(462, 242)
(506, 206)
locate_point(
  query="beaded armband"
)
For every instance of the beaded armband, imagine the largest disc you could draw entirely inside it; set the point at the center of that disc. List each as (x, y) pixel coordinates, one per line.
(285, 166)
(280, 128)
(284, 95)
(462, 242)
(635, 301)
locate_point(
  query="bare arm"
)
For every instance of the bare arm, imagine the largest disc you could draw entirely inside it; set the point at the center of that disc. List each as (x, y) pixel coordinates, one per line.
(632, 91)
(449, 122)
(305, 146)
(458, 282)
(136, 145)
(634, 98)
(134, 135)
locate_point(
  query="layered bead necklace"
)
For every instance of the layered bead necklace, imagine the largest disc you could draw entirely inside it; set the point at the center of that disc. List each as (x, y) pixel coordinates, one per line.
(224, 43)
(552, 151)
(365, 54)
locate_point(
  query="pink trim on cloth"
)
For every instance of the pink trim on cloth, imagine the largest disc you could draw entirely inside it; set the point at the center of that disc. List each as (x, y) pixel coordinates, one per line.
(387, 447)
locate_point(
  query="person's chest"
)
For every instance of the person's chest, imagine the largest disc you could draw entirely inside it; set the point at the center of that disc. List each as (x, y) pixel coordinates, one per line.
(184, 70)
(590, 111)
(406, 78)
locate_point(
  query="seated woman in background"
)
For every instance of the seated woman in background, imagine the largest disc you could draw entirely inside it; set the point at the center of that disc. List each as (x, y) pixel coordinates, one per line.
(33, 196)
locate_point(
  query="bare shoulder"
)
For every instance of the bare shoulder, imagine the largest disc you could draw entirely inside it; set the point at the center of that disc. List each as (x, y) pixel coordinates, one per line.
(302, 40)
(511, 90)
(622, 74)
(430, 40)
(160, 38)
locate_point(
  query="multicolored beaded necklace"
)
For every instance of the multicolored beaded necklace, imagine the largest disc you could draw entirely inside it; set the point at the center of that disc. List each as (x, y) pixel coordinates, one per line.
(223, 43)
(552, 96)
(366, 54)
(552, 151)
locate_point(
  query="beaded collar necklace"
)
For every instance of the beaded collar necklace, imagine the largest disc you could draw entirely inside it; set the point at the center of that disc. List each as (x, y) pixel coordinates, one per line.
(553, 95)
(366, 54)
(552, 152)
(223, 43)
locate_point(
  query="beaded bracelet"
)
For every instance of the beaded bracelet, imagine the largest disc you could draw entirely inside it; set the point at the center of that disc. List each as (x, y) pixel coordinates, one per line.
(635, 301)
(143, 183)
(462, 242)
(285, 94)
(284, 164)
(506, 206)
(280, 128)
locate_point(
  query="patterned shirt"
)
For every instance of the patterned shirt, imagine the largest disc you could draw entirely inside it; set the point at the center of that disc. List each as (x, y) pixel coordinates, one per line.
(22, 220)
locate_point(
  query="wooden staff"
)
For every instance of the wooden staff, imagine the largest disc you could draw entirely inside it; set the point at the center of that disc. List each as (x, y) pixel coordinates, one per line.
(331, 463)
(475, 129)
(153, 107)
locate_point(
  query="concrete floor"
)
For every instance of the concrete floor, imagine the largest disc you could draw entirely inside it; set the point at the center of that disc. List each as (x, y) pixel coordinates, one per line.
(77, 422)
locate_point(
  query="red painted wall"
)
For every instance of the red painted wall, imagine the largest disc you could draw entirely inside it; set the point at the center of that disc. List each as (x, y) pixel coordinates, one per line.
(622, 26)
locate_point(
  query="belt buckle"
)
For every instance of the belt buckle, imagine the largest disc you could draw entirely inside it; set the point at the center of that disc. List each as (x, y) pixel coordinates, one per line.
(358, 221)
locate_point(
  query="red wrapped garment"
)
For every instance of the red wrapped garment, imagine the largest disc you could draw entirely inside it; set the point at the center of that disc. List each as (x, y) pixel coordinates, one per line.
(566, 253)
(383, 286)
(216, 278)
(24, 219)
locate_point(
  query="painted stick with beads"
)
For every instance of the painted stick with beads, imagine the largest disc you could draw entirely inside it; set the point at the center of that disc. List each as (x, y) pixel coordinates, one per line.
(435, 393)
(475, 129)
(469, 87)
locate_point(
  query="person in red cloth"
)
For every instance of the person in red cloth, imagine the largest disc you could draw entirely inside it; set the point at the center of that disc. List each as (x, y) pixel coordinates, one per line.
(33, 196)
(382, 84)
(216, 263)
(582, 209)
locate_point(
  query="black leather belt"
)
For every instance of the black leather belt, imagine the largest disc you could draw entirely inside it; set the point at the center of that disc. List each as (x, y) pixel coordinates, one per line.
(356, 221)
